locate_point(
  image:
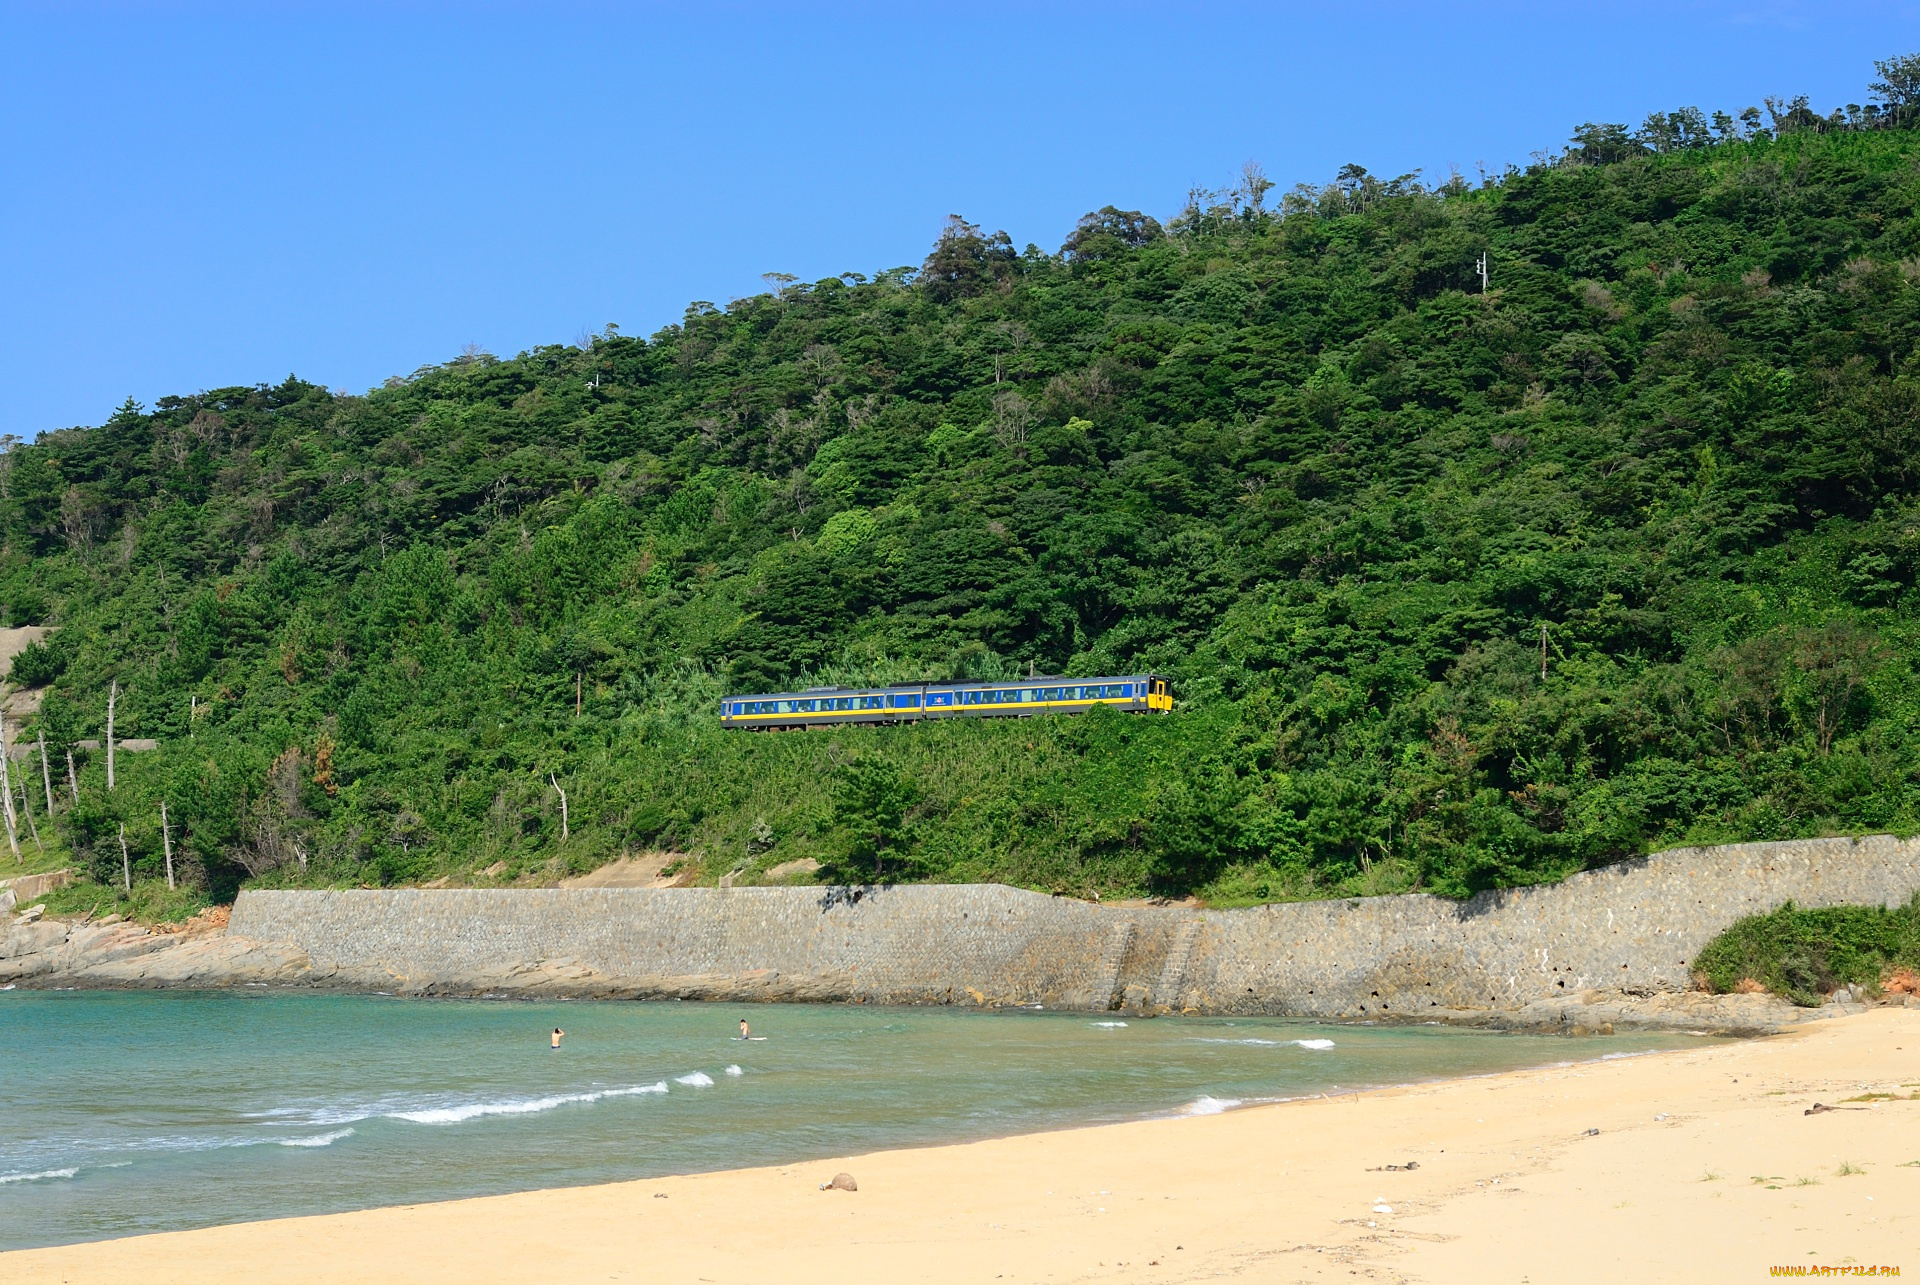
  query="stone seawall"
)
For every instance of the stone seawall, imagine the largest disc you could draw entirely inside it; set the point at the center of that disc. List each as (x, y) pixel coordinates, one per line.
(1629, 928)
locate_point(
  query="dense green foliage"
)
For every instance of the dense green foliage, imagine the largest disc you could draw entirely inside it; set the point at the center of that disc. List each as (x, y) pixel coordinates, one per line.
(1807, 954)
(1457, 588)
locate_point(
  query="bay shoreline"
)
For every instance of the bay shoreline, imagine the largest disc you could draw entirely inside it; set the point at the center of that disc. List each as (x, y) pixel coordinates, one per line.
(1706, 1163)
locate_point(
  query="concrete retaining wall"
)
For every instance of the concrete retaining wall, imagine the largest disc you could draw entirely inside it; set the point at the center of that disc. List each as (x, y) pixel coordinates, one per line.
(1633, 927)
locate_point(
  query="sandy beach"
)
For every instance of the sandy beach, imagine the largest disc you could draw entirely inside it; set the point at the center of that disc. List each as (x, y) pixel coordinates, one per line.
(1706, 1166)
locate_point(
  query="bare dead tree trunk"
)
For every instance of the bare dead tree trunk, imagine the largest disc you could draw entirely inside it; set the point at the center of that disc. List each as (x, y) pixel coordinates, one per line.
(166, 841)
(113, 695)
(6, 794)
(73, 780)
(26, 809)
(126, 862)
(564, 832)
(576, 693)
(46, 773)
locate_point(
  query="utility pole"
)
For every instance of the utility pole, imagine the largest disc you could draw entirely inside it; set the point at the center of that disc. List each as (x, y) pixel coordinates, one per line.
(1543, 651)
(166, 840)
(1480, 266)
(113, 695)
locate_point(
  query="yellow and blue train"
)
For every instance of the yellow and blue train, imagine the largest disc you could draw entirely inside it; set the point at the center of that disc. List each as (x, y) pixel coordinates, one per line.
(1019, 698)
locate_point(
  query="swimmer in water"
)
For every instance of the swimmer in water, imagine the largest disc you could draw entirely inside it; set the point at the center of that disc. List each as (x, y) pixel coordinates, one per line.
(557, 1033)
(745, 1034)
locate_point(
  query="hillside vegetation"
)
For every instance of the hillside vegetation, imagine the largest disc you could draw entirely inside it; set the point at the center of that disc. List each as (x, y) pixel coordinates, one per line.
(1458, 588)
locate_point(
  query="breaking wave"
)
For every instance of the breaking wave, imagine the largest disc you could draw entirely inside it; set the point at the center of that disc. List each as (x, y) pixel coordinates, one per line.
(318, 1140)
(1272, 1044)
(36, 1177)
(696, 1079)
(516, 1106)
(1204, 1105)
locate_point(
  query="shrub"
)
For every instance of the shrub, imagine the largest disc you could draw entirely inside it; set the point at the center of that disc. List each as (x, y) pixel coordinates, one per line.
(37, 665)
(1806, 954)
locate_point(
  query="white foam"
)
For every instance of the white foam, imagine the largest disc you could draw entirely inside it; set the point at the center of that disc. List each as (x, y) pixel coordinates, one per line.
(734, 1070)
(1211, 1106)
(318, 1140)
(697, 1079)
(520, 1106)
(36, 1177)
(1272, 1044)
(1110, 1025)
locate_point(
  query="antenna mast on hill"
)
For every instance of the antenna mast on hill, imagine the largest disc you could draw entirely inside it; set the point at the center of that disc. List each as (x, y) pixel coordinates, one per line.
(1480, 266)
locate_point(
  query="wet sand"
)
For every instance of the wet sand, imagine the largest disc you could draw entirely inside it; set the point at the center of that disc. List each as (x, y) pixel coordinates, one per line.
(1705, 1167)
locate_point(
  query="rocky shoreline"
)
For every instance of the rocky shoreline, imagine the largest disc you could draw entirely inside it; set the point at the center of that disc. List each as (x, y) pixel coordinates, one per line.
(45, 954)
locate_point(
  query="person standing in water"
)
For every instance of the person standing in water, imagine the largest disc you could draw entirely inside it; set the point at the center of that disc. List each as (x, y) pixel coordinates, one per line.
(557, 1033)
(745, 1033)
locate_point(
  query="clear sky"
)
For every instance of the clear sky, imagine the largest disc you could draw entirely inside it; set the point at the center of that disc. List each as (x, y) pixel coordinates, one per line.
(194, 196)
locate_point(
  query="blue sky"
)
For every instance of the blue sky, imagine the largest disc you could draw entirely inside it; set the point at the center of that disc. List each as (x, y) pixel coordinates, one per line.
(194, 196)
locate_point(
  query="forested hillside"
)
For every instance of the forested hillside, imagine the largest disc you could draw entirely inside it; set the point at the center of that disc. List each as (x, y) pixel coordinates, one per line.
(1459, 587)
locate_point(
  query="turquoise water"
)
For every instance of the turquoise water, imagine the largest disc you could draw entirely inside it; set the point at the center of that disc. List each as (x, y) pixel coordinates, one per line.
(127, 1112)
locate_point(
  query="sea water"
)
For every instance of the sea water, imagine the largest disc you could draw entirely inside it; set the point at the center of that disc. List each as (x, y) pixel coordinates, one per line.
(123, 1113)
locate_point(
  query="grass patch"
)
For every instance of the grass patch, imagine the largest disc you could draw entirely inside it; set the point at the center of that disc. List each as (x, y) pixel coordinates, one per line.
(1806, 954)
(150, 902)
(1848, 1169)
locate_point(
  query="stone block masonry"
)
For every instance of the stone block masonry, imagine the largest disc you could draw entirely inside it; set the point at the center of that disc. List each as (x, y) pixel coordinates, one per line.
(1631, 927)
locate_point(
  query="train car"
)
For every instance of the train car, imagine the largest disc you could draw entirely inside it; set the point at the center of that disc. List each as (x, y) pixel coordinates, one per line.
(1017, 698)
